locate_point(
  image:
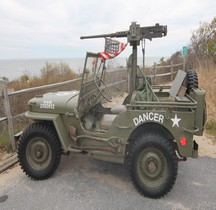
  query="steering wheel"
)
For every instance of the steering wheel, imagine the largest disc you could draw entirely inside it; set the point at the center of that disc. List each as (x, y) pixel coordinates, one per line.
(108, 95)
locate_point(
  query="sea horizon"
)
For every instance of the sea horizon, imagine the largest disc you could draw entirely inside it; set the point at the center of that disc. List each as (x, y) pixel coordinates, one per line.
(14, 68)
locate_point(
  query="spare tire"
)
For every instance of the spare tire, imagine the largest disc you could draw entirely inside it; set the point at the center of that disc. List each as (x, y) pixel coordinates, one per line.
(191, 81)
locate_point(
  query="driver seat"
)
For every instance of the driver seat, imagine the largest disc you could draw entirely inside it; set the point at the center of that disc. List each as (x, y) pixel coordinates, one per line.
(107, 119)
(118, 109)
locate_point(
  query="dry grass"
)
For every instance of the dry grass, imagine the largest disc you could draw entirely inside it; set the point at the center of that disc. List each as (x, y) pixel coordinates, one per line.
(50, 73)
(207, 81)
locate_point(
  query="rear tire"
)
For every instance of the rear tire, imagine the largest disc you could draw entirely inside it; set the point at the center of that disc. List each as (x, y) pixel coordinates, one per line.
(153, 165)
(39, 151)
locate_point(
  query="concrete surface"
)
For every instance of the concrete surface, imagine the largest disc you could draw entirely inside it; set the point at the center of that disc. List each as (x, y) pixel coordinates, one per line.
(82, 183)
(7, 163)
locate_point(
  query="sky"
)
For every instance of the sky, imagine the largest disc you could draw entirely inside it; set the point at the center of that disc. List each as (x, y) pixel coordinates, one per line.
(52, 28)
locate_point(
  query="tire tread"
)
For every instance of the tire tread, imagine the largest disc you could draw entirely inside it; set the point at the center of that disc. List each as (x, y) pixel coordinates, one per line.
(166, 144)
(35, 129)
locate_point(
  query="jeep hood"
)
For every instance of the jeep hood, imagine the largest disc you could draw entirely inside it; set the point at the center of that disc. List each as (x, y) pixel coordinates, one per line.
(54, 102)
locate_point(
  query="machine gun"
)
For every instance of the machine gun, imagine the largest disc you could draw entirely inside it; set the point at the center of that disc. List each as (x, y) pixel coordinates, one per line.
(134, 35)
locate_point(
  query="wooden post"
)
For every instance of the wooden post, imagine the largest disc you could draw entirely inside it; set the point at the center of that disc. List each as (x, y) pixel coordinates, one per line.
(155, 73)
(8, 114)
(171, 71)
(183, 63)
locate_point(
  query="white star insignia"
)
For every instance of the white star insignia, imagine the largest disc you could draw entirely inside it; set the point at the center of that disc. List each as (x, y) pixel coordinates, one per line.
(175, 121)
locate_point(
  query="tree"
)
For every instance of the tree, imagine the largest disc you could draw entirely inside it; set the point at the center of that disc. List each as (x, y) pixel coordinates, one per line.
(203, 41)
(4, 78)
(211, 44)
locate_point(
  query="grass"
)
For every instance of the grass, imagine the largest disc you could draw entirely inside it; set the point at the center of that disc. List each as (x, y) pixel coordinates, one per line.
(4, 135)
(207, 80)
(5, 142)
(211, 128)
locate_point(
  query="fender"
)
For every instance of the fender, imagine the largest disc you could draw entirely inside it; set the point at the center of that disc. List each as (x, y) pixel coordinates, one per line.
(163, 130)
(58, 123)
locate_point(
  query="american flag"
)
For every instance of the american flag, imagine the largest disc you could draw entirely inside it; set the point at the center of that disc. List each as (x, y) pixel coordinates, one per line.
(112, 49)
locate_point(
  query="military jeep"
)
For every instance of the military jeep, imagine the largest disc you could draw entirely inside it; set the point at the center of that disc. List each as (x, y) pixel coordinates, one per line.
(150, 131)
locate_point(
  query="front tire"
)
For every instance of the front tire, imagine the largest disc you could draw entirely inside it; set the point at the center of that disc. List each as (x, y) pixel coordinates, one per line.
(39, 151)
(153, 165)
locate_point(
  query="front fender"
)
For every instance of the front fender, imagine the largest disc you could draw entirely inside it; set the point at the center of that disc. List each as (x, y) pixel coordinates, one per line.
(58, 123)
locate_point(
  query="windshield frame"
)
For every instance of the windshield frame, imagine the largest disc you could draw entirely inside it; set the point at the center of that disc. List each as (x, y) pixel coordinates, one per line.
(94, 70)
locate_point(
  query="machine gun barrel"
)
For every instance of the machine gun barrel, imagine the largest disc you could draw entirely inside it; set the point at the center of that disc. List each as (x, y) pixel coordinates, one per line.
(117, 34)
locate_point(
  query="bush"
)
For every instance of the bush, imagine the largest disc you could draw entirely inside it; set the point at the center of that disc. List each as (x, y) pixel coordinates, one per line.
(50, 73)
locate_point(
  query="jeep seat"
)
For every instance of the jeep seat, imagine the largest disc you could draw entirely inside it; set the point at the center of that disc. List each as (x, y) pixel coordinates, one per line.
(107, 119)
(118, 109)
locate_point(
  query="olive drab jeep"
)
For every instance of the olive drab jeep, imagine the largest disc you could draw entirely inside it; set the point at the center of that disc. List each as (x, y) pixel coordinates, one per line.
(150, 131)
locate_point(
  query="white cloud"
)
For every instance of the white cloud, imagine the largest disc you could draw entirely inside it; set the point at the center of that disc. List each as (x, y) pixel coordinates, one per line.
(57, 24)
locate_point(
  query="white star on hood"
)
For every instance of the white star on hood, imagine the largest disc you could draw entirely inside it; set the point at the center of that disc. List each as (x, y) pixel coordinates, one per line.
(175, 121)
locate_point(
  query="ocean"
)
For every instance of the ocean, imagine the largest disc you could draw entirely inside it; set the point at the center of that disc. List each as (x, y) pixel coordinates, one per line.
(14, 68)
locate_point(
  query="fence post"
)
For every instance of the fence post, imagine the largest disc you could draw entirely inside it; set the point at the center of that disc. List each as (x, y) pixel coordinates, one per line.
(183, 63)
(171, 71)
(8, 113)
(155, 72)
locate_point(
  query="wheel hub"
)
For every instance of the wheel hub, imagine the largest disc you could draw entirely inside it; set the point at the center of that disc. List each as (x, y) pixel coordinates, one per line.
(151, 167)
(38, 153)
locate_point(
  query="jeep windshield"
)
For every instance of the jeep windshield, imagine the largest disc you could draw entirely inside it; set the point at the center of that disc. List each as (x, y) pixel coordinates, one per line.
(93, 87)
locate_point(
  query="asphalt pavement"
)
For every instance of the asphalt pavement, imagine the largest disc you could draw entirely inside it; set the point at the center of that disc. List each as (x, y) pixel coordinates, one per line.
(83, 183)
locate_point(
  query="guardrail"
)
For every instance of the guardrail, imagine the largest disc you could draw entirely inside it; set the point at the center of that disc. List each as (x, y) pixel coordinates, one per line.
(170, 73)
(5, 97)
